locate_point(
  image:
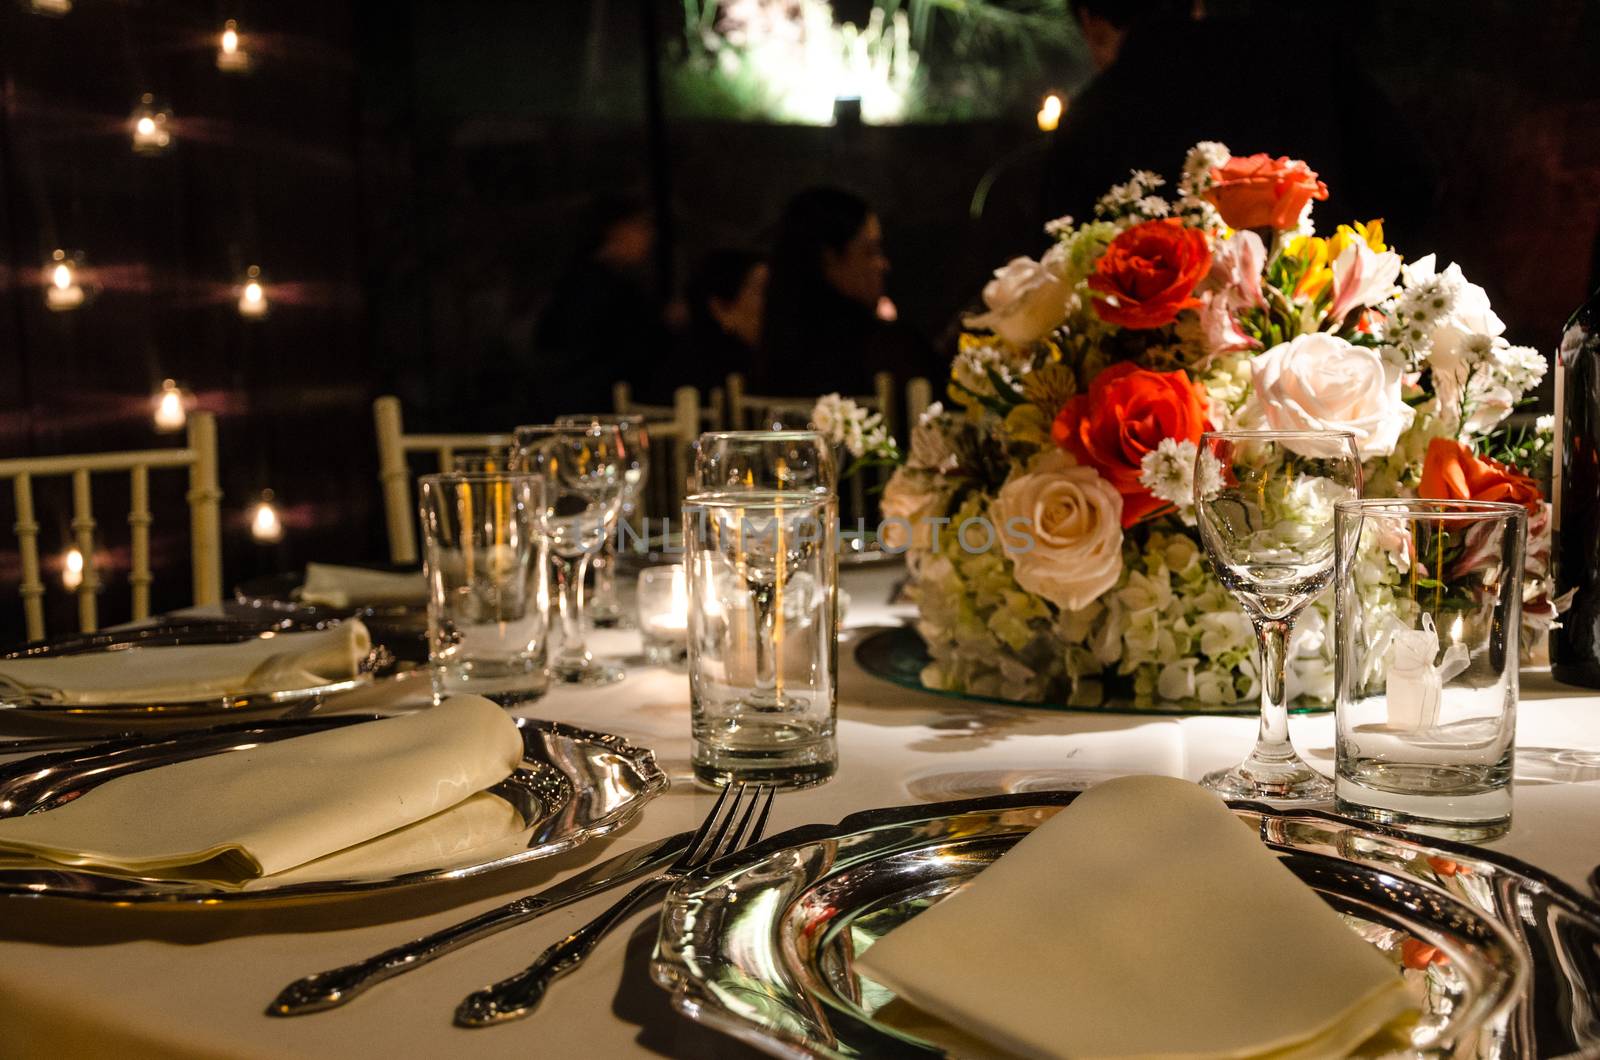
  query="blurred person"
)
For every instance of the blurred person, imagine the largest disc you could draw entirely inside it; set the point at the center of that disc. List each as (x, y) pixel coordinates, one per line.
(727, 297)
(828, 314)
(603, 321)
(1168, 77)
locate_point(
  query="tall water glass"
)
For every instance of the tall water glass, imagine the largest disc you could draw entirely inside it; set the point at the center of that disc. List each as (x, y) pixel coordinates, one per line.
(1264, 503)
(763, 636)
(582, 466)
(1429, 602)
(764, 460)
(604, 609)
(484, 563)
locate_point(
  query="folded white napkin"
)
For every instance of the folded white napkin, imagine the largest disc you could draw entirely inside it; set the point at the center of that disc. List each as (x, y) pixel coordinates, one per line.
(1143, 920)
(330, 585)
(274, 662)
(267, 807)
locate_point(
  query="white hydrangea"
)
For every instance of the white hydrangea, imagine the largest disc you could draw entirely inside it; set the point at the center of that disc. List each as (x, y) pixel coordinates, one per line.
(1202, 158)
(1061, 226)
(843, 422)
(1127, 198)
(1168, 473)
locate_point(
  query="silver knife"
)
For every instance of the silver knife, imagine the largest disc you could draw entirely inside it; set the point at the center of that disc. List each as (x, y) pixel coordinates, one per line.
(332, 988)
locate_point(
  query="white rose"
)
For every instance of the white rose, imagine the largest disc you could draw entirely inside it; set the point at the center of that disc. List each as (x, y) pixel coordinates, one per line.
(1027, 299)
(1062, 527)
(1320, 382)
(911, 499)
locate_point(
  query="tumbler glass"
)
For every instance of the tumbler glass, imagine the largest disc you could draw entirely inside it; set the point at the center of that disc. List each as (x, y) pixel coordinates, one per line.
(484, 559)
(1429, 601)
(792, 461)
(763, 636)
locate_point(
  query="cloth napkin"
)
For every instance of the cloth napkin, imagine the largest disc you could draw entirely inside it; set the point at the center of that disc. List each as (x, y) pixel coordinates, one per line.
(258, 810)
(1142, 920)
(330, 585)
(276, 662)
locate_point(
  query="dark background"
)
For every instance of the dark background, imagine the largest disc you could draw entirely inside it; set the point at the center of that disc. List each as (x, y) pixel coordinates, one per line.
(409, 175)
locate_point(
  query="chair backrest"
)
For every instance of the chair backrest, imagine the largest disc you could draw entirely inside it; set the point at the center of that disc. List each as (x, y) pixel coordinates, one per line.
(199, 457)
(919, 396)
(673, 429)
(753, 412)
(394, 470)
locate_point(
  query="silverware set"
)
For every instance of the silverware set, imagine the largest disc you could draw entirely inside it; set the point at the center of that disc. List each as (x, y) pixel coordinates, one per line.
(736, 821)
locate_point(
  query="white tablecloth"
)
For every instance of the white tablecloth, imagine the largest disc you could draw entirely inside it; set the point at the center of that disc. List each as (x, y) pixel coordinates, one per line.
(89, 981)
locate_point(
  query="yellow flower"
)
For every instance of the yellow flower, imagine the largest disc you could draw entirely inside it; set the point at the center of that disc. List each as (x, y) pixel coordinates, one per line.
(1314, 251)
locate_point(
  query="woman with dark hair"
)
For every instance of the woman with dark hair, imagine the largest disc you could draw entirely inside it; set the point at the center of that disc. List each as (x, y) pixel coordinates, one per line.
(726, 298)
(824, 298)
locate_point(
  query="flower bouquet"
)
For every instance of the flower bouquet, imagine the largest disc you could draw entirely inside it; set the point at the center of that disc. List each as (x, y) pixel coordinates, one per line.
(1047, 507)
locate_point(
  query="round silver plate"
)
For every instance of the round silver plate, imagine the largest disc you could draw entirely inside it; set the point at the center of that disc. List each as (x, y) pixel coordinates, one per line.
(174, 634)
(763, 948)
(572, 785)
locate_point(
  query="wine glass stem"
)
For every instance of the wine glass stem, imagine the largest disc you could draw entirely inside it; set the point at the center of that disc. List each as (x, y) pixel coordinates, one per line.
(570, 574)
(766, 621)
(605, 577)
(1272, 741)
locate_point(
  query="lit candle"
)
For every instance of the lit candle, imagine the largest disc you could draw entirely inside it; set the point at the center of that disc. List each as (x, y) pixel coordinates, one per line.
(252, 295)
(664, 613)
(72, 570)
(150, 133)
(232, 57)
(1049, 115)
(265, 526)
(62, 290)
(171, 412)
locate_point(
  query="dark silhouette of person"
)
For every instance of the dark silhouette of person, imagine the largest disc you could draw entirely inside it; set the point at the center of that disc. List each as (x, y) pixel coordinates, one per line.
(1168, 80)
(727, 297)
(603, 322)
(829, 325)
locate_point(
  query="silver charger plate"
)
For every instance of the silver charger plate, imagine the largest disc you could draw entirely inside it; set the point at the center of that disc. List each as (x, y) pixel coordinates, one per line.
(175, 634)
(572, 786)
(762, 946)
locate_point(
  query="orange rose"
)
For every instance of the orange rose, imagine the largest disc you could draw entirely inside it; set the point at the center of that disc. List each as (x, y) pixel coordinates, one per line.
(1264, 192)
(1126, 413)
(1452, 472)
(1147, 274)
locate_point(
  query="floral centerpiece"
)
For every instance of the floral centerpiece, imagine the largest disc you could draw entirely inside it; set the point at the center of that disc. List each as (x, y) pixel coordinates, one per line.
(1047, 507)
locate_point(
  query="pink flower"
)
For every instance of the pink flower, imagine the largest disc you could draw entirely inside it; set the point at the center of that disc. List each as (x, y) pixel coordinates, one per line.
(1361, 277)
(1236, 265)
(1219, 328)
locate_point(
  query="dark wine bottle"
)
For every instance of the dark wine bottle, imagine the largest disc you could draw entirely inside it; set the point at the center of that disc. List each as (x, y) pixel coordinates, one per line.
(1575, 498)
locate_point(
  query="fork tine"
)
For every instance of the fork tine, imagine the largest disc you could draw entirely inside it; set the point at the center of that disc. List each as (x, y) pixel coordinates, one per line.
(736, 840)
(761, 821)
(708, 849)
(687, 857)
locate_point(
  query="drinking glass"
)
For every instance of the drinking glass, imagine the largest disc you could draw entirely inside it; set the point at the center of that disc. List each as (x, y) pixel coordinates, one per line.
(488, 463)
(1264, 502)
(604, 609)
(582, 466)
(1428, 606)
(663, 604)
(763, 636)
(484, 563)
(764, 460)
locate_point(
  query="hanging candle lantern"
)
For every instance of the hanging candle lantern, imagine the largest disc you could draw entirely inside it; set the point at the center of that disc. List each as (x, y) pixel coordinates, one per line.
(63, 286)
(232, 55)
(253, 295)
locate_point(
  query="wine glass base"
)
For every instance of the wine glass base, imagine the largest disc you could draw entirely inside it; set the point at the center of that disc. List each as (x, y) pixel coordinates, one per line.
(586, 673)
(1279, 783)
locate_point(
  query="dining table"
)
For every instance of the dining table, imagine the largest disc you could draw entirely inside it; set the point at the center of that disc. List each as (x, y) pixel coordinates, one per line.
(80, 978)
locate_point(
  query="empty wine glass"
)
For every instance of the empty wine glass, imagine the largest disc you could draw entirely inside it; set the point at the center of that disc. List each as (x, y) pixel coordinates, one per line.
(583, 466)
(603, 607)
(783, 461)
(1264, 501)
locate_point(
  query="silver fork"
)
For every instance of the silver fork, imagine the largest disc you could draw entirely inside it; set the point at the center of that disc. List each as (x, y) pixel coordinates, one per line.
(717, 836)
